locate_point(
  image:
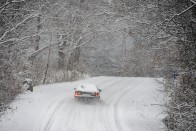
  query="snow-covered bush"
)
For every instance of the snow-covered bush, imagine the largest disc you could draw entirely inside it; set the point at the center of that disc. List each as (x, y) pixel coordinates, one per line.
(181, 107)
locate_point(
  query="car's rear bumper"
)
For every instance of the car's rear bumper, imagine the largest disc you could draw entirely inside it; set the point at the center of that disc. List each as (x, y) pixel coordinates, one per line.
(80, 94)
(86, 96)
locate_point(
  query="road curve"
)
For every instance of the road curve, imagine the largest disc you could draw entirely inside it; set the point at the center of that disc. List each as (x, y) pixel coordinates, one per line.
(126, 105)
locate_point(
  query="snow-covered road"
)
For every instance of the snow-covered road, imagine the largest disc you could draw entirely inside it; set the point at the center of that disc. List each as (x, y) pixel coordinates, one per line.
(127, 104)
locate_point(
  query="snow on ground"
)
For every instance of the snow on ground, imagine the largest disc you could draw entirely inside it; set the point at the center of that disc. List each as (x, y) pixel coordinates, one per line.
(127, 104)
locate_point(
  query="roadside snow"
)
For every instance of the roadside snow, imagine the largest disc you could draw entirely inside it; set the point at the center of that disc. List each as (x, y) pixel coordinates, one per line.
(127, 104)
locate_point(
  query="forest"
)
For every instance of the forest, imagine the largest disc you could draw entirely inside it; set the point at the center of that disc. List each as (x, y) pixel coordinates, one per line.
(52, 41)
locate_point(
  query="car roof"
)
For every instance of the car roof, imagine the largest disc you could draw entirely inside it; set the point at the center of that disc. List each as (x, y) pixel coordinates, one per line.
(87, 87)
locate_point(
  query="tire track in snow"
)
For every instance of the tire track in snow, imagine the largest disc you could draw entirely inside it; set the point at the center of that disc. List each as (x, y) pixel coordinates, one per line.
(108, 90)
(50, 109)
(113, 90)
(61, 112)
(50, 120)
(123, 94)
(69, 117)
(45, 120)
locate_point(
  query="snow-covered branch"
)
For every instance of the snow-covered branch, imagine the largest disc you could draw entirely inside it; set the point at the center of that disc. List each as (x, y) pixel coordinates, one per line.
(8, 2)
(40, 50)
(179, 14)
(84, 43)
(17, 25)
(19, 39)
(193, 1)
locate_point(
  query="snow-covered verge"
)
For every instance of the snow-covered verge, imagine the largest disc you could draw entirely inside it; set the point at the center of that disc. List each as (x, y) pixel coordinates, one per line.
(127, 104)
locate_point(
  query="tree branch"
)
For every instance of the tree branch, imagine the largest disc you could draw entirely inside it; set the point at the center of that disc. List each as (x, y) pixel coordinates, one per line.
(6, 4)
(193, 1)
(19, 39)
(84, 43)
(40, 50)
(176, 15)
(20, 23)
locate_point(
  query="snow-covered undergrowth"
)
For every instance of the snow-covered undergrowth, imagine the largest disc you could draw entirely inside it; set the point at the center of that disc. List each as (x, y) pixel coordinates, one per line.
(127, 104)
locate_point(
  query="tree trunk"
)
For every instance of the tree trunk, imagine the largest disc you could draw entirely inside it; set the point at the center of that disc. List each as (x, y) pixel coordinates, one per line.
(61, 47)
(48, 61)
(37, 38)
(74, 57)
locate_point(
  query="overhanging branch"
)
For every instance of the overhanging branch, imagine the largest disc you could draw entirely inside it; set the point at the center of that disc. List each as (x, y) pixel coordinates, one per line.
(193, 1)
(19, 24)
(179, 14)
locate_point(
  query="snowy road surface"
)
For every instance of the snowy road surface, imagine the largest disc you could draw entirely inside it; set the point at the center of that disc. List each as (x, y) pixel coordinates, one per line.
(127, 104)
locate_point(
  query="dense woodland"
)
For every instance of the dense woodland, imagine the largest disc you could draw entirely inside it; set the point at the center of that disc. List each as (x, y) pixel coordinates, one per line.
(52, 41)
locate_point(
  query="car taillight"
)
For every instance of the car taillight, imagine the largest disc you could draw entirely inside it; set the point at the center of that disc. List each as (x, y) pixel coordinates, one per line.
(77, 93)
(97, 94)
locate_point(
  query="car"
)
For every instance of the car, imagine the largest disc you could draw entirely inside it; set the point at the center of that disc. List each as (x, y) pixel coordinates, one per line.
(87, 91)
